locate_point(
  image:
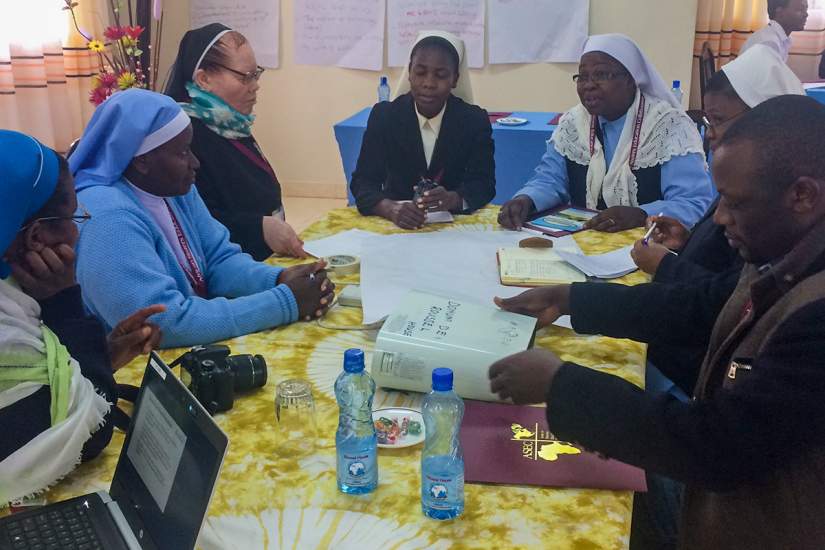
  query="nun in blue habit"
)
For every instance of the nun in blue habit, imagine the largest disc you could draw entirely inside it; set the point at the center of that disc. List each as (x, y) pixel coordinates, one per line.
(152, 240)
(56, 381)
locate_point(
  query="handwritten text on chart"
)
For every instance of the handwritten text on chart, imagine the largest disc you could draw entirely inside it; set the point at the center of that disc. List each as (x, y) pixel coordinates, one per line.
(347, 33)
(406, 18)
(257, 20)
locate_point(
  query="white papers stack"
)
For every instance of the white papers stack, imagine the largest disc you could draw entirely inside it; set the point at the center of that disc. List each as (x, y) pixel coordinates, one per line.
(347, 242)
(459, 263)
(603, 266)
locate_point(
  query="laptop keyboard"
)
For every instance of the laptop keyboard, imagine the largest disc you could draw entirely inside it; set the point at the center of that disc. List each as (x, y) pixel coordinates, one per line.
(62, 528)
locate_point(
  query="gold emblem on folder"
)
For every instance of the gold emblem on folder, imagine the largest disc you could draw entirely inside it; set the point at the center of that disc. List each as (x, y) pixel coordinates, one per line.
(540, 444)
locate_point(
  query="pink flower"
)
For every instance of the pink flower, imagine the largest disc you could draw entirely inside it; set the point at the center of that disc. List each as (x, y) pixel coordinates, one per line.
(114, 33)
(133, 32)
(99, 95)
(107, 80)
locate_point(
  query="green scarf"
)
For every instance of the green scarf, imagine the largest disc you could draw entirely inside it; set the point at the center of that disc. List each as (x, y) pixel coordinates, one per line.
(52, 369)
(217, 114)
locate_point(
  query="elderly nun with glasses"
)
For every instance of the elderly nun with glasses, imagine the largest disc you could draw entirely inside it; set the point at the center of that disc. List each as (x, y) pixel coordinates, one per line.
(56, 363)
(215, 79)
(627, 149)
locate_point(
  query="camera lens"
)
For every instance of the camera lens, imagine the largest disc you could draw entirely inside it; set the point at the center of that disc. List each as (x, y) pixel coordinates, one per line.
(249, 371)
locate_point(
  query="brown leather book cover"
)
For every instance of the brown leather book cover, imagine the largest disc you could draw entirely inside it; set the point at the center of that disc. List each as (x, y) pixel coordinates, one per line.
(512, 445)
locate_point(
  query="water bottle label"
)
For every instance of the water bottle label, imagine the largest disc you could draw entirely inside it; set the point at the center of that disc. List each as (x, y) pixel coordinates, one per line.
(442, 493)
(357, 469)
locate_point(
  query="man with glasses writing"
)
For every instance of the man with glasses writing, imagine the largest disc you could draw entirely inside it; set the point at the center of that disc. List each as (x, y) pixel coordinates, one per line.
(628, 149)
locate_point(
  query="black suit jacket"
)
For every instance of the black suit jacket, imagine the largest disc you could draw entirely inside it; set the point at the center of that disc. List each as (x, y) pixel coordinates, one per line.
(392, 155)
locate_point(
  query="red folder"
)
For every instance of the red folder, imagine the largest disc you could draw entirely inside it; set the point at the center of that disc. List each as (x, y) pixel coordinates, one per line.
(512, 445)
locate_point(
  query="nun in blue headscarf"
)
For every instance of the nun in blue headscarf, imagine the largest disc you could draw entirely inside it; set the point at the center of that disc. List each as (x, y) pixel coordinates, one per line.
(152, 240)
(56, 381)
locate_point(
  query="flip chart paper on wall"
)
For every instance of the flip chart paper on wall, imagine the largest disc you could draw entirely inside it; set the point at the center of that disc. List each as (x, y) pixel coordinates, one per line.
(464, 18)
(346, 33)
(257, 20)
(535, 31)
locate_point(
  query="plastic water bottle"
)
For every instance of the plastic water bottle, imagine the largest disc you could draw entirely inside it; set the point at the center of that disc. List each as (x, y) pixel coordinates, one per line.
(677, 91)
(356, 442)
(383, 89)
(442, 462)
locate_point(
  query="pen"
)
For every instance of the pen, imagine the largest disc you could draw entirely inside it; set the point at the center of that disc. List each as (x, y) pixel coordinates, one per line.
(646, 238)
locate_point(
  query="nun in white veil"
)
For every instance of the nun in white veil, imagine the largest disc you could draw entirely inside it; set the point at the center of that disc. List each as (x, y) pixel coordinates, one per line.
(627, 149)
(430, 135)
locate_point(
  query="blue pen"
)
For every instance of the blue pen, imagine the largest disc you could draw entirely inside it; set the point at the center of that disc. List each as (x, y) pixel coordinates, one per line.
(646, 238)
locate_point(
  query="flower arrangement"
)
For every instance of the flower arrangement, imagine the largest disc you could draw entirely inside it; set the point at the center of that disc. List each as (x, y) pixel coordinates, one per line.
(119, 56)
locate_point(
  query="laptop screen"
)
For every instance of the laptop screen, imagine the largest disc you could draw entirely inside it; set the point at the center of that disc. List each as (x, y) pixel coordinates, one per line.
(169, 464)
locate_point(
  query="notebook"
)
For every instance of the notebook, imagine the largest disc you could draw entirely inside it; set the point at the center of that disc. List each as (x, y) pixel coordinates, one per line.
(512, 445)
(162, 486)
(560, 221)
(535, 267)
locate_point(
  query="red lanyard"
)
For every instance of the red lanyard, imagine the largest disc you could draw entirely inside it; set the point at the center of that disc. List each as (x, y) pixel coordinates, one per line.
(258, 160)
(194, 272)
(637, 133)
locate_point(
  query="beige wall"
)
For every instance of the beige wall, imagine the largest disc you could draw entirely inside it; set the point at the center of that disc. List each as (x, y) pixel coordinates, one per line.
(298, 104)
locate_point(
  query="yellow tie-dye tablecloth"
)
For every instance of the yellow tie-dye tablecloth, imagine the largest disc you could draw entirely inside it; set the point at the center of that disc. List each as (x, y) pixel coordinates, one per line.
(266, 498)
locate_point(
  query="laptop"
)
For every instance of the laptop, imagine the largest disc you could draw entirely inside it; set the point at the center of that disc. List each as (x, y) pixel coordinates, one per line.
(161, 489)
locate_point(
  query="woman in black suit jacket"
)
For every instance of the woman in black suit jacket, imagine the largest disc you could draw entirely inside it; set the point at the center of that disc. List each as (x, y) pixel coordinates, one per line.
(427, 133)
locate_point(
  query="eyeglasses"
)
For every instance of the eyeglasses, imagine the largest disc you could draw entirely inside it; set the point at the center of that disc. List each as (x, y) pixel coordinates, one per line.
(597, 77)
(83, 217)
(708, 126)
(245, 78)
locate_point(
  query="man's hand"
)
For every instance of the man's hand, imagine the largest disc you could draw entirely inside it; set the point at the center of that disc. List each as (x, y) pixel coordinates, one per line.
(134, 336)
(648, 256)
(281, 238)
(545, 303)
(617, 218)
(669, 231)
(311, 288)
(45, 272)
(525, 377)
(405, 215)
(515, 212)
(438, 199)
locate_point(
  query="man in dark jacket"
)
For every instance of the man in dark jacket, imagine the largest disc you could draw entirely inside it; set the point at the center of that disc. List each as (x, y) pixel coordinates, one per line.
(750, 446)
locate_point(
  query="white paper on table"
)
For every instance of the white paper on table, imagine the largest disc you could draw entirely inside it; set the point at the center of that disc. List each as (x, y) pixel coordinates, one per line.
(346, 242)
(812, 85)
(406, 18)
(346, 33)
(258, 20)
(442, 216)
(535, 31)
(611, 265)
(452, 262)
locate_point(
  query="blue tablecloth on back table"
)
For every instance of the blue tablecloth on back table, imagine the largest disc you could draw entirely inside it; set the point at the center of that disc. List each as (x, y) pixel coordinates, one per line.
(817, 93)
(518, 148)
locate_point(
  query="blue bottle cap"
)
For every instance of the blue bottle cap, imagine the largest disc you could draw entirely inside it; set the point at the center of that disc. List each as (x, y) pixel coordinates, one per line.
(677, 84)
(383, 80)
(354, 360)
(442, 379)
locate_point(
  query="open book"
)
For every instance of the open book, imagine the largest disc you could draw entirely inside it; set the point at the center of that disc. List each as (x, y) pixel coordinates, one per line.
(535, 267)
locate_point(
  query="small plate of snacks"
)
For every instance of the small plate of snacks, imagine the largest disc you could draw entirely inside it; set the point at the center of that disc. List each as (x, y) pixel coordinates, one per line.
(398, 427)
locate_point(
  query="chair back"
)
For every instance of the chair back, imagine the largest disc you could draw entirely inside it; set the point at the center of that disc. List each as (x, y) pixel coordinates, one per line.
(707, 68)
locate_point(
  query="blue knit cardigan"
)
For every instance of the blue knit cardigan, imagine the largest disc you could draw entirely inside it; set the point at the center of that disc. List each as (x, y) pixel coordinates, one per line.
(124, 263)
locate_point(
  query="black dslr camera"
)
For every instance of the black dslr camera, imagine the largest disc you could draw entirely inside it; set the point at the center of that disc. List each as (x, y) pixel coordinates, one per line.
(213, 376)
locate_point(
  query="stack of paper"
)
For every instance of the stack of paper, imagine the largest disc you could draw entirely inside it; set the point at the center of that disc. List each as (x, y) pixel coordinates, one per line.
(348, 242)
(602, 266)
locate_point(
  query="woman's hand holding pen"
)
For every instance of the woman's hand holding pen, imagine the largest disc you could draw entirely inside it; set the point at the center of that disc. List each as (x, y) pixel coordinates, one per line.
(313, 291)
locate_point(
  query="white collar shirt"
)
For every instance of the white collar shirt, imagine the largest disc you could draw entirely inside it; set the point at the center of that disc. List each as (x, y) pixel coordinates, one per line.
(773, 36)
(430, 128)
